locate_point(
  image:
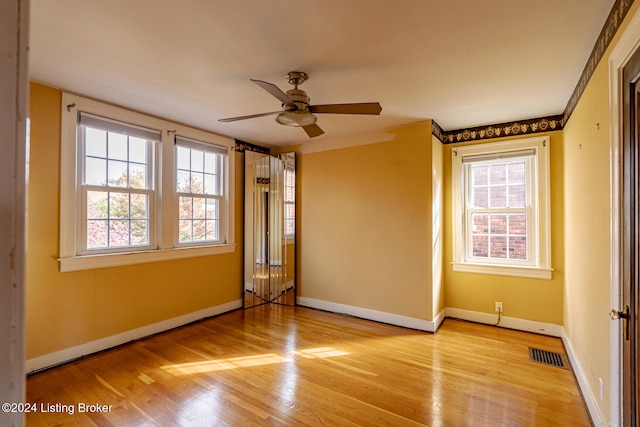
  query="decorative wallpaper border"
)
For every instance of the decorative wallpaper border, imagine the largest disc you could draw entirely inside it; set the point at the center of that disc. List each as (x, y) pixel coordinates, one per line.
(242, 146)
(520, 127)
(546, 124)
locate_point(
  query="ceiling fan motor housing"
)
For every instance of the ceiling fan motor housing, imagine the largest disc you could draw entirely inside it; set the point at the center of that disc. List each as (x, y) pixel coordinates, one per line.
(300, 116)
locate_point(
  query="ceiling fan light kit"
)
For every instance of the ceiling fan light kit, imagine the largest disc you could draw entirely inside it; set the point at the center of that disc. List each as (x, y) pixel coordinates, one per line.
(296, 108)
(296, 118)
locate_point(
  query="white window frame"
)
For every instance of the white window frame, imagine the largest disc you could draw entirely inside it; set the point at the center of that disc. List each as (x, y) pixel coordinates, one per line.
(289, 168)
(150, 191)
(221, 198)
(71, 256)
(538, 264)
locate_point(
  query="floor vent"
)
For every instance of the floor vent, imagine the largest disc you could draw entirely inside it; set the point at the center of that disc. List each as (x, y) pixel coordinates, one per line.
(547, 357)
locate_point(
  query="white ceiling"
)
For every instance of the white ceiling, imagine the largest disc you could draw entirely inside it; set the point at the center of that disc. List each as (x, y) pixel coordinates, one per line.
(462, 63)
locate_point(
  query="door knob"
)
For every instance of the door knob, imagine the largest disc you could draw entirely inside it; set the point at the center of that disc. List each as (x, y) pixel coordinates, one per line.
(615, 314)
(622, 314)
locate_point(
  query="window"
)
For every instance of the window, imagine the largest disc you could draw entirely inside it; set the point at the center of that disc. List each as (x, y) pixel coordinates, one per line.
(289, 199)
(115, 164)
(199, 187)
(501, 208)
(116, 185)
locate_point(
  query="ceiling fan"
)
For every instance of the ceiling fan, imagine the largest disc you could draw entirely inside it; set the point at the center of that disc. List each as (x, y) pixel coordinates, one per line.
(296, 110)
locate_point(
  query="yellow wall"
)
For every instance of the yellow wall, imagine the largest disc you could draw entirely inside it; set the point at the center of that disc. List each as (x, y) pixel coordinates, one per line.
(68, 309)
(365, 237)
(530, 299)
(587, 233)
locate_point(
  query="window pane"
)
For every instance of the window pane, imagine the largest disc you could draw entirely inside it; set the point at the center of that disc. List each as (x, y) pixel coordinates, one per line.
(184, 158)
(211, 163)
(211, 185)
(212, 230)
(480, 246)
(97, 205)
(289, 194)
(289, 227)
(139, 235)
(95, 171)
(212, 209)
(479, 175)
(498, 196)
(139, 206)
(185, 207)
(289, 210)
(518, 224)
(498, 247)
(137, 175)
(497, 174)
(198, 208)
(198, 229)
(197, 161)
(517, 196)
(498, 224)
(480, 197)
(97, 234)
(117, 173)
(117, 146)
(183, 184)
(137, 150)
(95, 142)
(118, 205)
(516, 172)
(197, 183)
(118, 233)
(480, 223)
(184, 231)
(518, 247)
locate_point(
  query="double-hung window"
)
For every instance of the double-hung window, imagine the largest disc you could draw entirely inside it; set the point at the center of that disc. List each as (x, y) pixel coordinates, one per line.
(117, 188)
(289, 199)
(501, 208)
(136, 188)
(200, 191)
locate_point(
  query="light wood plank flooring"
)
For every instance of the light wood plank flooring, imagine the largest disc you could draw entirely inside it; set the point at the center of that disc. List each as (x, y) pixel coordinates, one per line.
(277, 365)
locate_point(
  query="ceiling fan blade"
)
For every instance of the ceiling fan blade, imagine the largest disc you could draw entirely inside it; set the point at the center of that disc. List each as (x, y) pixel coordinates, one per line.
(313, 130)
(275, 91)
(252, 116)
(372, 108)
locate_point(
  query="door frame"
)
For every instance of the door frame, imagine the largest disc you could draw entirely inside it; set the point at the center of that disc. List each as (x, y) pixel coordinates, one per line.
(628, 44)
(13, 131)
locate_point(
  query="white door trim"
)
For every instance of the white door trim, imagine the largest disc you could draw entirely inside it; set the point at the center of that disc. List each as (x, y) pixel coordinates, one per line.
(14, 31)
(628, 44)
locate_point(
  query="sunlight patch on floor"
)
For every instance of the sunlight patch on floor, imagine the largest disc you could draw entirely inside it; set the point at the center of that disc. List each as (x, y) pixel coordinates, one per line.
(249, 361)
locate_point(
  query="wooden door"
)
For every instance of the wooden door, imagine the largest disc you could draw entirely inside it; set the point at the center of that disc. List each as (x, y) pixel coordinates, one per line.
(627, 313)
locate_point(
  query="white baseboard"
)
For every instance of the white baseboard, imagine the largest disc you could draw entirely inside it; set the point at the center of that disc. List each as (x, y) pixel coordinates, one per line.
(587, 394)
(543, 328)
(68, 354)
(378, 316)
(439, 319)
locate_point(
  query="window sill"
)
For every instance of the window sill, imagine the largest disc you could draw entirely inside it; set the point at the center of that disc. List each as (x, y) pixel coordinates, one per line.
(504, 270)
(90, 262)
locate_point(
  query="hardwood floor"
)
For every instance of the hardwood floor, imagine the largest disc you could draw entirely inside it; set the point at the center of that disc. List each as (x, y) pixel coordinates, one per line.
(278, 365)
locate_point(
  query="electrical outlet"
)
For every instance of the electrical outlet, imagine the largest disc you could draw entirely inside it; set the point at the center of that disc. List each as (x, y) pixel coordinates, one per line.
(498, 307)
